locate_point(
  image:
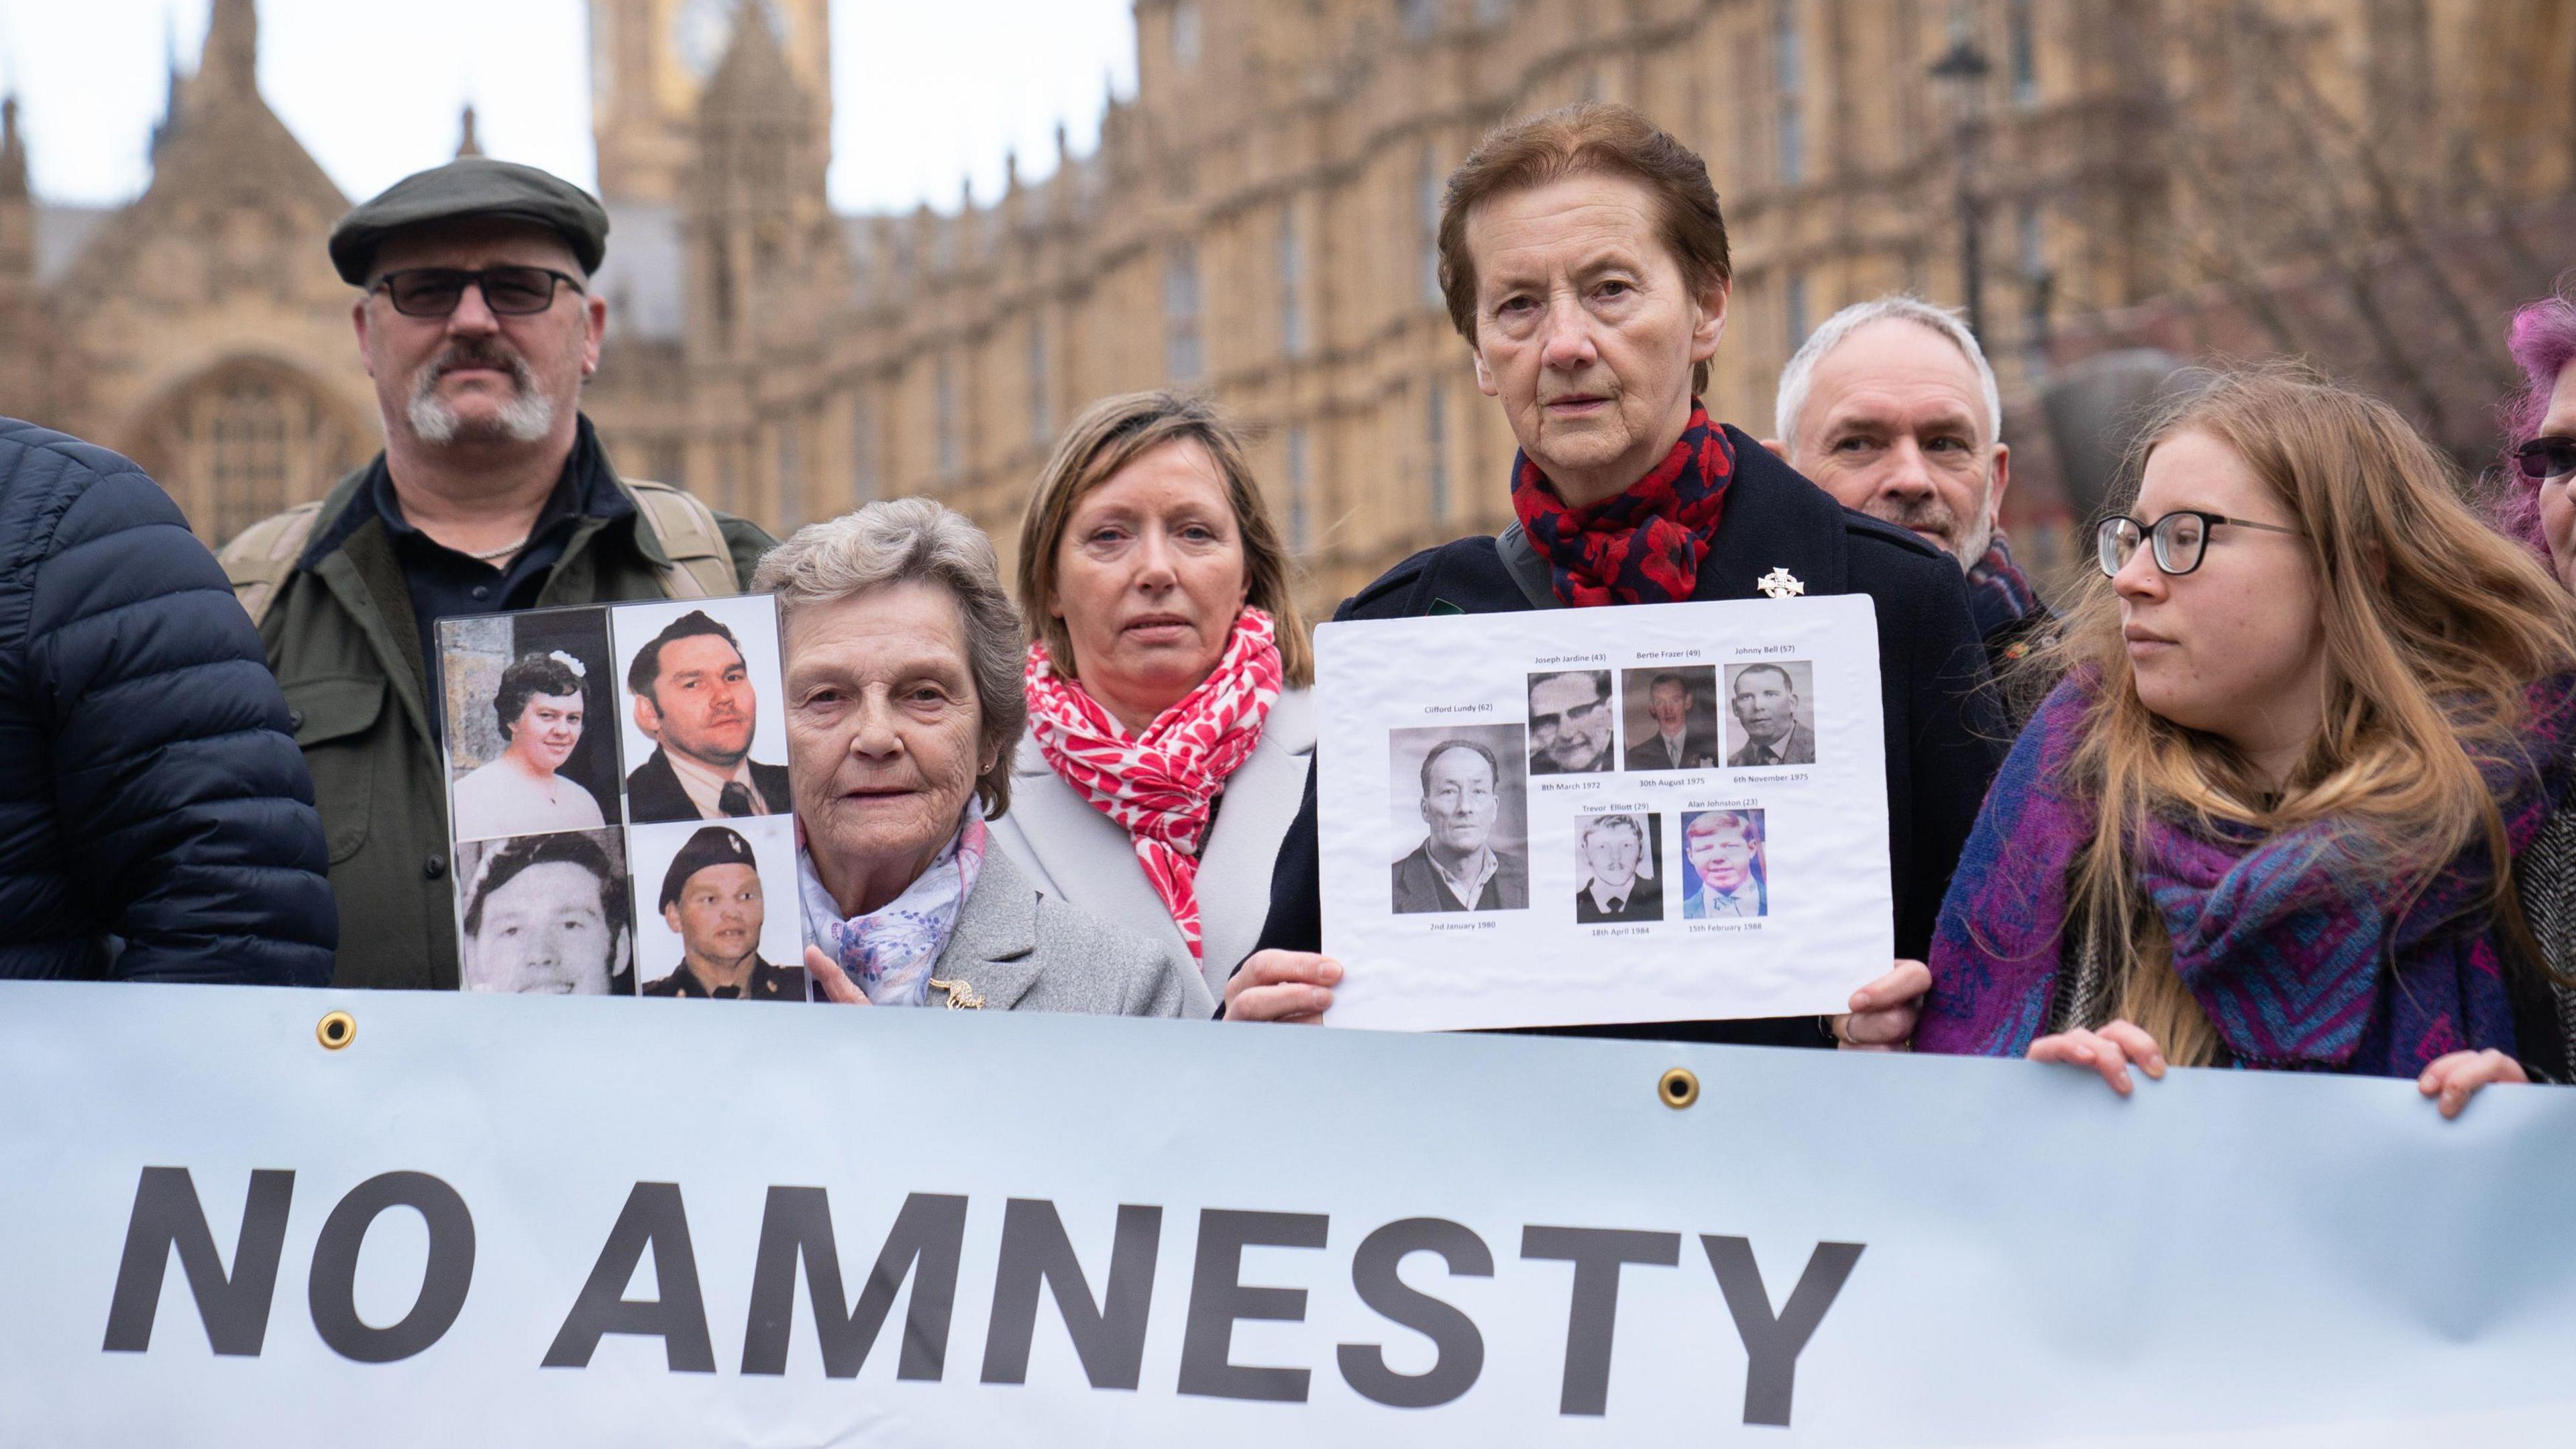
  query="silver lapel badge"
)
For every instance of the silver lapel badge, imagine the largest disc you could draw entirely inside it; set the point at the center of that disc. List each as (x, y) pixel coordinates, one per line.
(1780, 584)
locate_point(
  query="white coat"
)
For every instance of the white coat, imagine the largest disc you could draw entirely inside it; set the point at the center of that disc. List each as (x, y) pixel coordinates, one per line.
(1071, 851)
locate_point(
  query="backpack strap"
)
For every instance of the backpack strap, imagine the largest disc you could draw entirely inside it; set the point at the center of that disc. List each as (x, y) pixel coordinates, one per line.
(262, 557)
(1526, 568)
(701, 565)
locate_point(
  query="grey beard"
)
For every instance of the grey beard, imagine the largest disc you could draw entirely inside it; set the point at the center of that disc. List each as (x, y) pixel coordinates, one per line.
(526, 418)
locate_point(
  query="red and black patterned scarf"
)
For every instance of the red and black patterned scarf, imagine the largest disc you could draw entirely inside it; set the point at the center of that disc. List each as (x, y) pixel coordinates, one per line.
(1643, 546)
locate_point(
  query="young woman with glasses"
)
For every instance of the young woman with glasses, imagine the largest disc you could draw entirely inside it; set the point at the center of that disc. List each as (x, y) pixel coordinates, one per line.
(2310, 704)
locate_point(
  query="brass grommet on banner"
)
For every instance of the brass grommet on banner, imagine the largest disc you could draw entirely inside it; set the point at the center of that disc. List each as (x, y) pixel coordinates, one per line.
(1679, 1088)
(336, 1030)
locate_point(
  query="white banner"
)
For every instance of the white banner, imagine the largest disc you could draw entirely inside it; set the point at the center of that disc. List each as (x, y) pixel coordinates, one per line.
(501, 1220)
(1526, 823)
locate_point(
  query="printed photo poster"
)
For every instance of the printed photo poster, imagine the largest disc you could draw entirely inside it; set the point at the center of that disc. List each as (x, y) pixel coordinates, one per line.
(1669, 812)
(618, 801)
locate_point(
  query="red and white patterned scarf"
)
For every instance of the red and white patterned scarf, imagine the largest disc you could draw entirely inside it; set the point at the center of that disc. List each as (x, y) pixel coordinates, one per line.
(1160, 785)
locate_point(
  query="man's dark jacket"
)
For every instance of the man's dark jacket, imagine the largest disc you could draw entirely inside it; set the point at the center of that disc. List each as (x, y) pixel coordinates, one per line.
(345, 643)
(1644, 902)
(1419, 889)
(768, 983)
(1944, 740)
(1698, 746)
(156, 822)
(654, 792)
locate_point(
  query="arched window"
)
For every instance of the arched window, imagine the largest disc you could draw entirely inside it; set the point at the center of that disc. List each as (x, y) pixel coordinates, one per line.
(244, 441)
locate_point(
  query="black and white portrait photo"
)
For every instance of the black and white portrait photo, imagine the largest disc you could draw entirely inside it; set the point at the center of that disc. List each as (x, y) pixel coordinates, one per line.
(1461, 808)
(705, 731)
(528, 751)
(545, 915)
(1618, 868)
(1772, 712)
(1571, 722)
(716, 912)
(1670, 718)
(1725, 871)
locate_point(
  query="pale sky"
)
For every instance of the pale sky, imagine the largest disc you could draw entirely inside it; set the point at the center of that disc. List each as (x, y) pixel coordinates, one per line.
(925, 94)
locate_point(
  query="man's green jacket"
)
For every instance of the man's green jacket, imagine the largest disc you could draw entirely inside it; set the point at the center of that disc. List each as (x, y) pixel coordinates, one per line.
(342, 639)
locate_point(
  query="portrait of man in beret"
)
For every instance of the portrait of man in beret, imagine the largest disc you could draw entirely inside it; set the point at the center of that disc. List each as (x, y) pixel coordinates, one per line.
(712, 899)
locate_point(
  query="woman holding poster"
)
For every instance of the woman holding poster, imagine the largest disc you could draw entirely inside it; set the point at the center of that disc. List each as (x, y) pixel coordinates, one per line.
(1585, 267)
(2313, 701)
(1167, 676)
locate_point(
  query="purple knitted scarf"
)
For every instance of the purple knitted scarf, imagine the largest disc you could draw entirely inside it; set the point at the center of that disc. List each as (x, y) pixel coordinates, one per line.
(2291, 950)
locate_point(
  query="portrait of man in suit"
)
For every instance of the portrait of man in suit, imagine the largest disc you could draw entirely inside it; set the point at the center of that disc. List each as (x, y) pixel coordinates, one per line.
(1570, 722)
(1679, 730)
(1618, 854)
(1457, 867)
(1765, 698)
(695, 701)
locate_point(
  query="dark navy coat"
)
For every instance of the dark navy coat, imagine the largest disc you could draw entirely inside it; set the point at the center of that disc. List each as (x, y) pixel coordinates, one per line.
(156, 820)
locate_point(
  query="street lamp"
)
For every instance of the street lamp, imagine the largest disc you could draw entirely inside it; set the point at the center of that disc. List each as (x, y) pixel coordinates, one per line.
(1962, 70)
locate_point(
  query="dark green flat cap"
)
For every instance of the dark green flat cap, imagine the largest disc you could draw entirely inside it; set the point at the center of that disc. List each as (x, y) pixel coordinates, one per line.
(471, 186)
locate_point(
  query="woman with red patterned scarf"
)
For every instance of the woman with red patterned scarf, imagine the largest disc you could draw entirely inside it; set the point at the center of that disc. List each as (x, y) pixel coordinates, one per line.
(1584, 261)
(1169, 721)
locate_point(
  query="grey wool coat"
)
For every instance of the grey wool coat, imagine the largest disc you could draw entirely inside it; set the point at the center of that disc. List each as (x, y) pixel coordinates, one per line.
(1015, 949)
(1083, 857)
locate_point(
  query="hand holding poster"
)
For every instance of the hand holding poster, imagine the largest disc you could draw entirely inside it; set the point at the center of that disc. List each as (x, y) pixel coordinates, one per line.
(1525, 823)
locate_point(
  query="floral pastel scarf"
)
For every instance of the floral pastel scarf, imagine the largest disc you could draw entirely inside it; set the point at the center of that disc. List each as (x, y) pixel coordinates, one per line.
(888, 952)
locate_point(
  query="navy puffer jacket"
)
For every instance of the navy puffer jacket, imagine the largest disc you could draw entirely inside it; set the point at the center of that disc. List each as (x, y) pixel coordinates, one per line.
(150, 791)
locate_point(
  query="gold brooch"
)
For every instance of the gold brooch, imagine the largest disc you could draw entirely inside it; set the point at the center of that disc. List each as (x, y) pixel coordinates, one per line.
(1780, 583)
(961, 996)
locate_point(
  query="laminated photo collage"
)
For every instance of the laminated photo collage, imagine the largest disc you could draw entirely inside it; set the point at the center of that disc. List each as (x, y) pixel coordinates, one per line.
(618, 801)
(1713, 780)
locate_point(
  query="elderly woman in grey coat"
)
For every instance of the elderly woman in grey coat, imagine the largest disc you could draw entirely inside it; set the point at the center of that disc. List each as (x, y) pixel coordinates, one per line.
(902, 673)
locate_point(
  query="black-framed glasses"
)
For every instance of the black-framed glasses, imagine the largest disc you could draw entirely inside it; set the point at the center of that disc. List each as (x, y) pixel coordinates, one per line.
(2543, 459)
(508, 291)
(2180, 538)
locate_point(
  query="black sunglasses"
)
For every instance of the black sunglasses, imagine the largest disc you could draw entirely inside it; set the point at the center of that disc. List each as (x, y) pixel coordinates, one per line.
(508, 291)
(2542, 459)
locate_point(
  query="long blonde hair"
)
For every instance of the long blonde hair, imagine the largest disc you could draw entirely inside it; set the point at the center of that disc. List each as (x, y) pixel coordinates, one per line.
(2433, 626)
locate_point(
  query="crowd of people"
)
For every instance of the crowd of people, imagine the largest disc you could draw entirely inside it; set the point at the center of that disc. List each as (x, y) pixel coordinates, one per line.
(2283, 787)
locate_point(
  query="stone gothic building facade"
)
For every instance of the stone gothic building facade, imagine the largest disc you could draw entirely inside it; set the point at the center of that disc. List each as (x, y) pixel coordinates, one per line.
(2366, 183)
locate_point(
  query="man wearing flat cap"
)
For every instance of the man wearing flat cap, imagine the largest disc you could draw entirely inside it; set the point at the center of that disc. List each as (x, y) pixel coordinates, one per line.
(711, 899)
(474, 316)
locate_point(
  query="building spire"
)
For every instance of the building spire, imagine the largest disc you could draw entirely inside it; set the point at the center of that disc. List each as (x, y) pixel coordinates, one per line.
(467, 143)
(170, 96)
(13, 153)
(231, 63)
